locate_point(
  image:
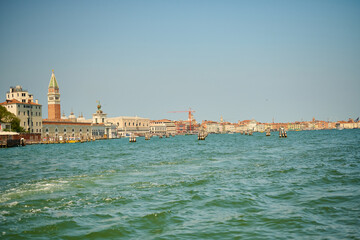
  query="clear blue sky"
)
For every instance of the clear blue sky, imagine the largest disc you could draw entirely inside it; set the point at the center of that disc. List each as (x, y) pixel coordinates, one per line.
(290, 60)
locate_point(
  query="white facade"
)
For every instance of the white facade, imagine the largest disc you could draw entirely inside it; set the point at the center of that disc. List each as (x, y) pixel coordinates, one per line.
(212, 128)
(102, 128)
(99, 117)
(131, 125)
(229, 128)
(158, 128)
(164, 126)
(66, 130)
(20, 95)
(21, 104)
(30, 114)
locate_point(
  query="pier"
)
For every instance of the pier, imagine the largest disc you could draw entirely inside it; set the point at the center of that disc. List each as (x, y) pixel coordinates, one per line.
(282, 133)
(132, 138)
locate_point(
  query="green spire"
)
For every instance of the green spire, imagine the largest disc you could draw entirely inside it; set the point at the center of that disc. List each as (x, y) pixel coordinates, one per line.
(53, 83)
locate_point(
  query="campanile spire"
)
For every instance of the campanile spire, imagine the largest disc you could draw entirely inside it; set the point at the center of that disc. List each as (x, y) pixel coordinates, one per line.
(54, 112)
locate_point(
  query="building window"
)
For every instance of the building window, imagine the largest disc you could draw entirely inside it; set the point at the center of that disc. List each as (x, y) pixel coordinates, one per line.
(46, 130)
(64, 130)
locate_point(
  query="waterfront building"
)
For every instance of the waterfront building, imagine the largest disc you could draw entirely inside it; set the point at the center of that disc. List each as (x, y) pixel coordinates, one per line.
(211, 126)
(21, 104)
(260, 127)
(131, 125)
(102, 128)
(181, 127)
(248, 125)
(158, 128)
(158, 125)
(99, 116)
(228, 127)
(295, 126)
(61, 130)
(350, 124)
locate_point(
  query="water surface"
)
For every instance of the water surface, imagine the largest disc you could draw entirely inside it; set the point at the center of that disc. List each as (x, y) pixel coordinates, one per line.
(226, 187)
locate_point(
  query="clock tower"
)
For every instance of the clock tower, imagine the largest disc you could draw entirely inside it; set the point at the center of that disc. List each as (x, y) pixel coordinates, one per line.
(54, 112)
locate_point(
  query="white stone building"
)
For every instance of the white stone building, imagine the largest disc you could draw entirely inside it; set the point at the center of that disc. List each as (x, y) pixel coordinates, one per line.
(131, 125)
(158, 128)
(21, 104)
(163, 126)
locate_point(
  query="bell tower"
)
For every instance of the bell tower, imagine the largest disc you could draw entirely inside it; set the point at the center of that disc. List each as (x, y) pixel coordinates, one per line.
(54, 112)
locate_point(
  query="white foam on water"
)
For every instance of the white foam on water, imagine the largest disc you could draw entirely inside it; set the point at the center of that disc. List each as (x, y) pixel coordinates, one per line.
(12, 204)
(27, 189)
(3, 213)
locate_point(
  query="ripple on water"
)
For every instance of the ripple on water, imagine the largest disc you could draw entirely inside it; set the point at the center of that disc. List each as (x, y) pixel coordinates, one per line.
(227, 187)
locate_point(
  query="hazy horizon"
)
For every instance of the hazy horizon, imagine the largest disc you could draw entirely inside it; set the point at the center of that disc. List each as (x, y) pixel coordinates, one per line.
(287, 60)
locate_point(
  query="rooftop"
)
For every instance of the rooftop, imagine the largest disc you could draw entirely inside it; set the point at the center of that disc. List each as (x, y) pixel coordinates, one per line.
(13, 101)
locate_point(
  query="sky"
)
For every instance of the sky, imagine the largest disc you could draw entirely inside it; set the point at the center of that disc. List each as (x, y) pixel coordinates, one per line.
(283, 60)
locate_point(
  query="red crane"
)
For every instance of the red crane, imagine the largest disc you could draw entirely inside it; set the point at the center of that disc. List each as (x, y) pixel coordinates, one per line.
(190, 115)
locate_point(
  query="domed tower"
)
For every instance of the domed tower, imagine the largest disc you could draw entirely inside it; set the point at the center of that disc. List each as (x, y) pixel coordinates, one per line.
(54, 112)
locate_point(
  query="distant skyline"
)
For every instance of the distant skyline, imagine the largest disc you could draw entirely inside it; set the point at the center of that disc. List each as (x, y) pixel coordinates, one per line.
(287, 60)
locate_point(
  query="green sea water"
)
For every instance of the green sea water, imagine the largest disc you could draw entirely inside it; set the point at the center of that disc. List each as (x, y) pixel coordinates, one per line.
(306, 186)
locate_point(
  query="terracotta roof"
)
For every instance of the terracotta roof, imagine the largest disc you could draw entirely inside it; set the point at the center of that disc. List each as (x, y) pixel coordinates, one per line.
(13, 101)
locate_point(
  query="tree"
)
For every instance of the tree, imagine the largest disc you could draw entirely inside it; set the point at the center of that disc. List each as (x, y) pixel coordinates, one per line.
(8, 117)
